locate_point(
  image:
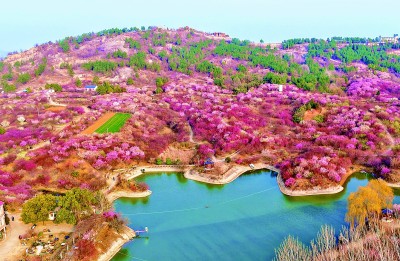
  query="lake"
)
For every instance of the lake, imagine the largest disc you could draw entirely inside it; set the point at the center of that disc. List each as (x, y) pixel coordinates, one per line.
(244, 220)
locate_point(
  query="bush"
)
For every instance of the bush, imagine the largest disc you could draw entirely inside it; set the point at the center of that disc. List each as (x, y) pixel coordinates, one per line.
(86, 249)
(101, 66)
(24, 78)
(138, 60)
(78, 82)
(41, 67)
(8, 87)
(133, 44)
(319, 118)
(241, 68)
(275, 78)
(119, 54)
(129, 81)
(161, 81)
(54, 86)
(7, 77)
(159, 161)
(299, 112)
(96, 80)
(64, 44)
(106, 88)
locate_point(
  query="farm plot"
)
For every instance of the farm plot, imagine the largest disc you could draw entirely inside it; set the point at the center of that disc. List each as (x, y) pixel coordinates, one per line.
(114, 124)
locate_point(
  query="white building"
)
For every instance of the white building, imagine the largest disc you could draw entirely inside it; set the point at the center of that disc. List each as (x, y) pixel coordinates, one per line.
(91, 88)
(2, 219)
(394, 39)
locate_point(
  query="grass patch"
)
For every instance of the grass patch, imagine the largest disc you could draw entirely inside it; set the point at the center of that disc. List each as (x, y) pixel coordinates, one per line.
(114, 124)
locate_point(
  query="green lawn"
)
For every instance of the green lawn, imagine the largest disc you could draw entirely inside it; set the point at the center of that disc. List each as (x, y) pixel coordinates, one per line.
(114, 124)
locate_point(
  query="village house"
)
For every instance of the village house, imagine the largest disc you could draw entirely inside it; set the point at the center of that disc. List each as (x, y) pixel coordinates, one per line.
(2, 219)
(91, 88)
(394, 39)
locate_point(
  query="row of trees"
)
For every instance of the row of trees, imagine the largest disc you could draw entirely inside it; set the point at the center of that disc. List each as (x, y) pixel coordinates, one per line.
(72, 207)
(101, 66)
(106, 88)
(133, 44)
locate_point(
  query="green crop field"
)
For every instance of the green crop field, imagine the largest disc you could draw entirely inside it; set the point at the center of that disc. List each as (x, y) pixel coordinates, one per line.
(114, 124)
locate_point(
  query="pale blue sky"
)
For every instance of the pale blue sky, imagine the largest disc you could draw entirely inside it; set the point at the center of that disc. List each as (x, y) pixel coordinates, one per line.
(26, 22)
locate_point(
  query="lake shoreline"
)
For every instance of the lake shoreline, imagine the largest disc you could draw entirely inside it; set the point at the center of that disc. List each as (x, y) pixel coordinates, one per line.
(127, 235)
(235, 172)
(112, 196)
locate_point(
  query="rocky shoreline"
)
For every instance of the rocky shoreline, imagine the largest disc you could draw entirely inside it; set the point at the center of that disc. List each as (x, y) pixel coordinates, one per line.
(301, 193)
(127, 194)
(126, 235)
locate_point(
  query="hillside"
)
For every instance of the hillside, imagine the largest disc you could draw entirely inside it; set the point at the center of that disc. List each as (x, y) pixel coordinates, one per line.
(312, 108)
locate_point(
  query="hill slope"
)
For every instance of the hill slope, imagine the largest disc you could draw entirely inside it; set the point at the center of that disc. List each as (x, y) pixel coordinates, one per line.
(311, 107)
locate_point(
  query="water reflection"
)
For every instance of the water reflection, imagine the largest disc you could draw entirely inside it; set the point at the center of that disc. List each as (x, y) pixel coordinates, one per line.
(185, 217)
(134, 201)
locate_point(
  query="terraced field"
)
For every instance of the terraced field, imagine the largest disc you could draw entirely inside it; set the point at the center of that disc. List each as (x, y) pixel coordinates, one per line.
(114, 124)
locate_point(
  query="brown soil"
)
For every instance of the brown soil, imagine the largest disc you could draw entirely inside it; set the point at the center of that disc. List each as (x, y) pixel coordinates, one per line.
(56, 108)
(356, 168)
(103, 119)
(309, 115)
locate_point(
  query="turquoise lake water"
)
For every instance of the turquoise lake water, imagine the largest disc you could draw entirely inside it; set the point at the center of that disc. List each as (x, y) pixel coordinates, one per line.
(244, 220)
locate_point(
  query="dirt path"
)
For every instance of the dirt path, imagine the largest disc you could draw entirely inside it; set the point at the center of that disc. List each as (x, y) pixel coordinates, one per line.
(391, 140)
(112, 180)
(215, 159)
(191, 134)
(103, 119)
(51, 102)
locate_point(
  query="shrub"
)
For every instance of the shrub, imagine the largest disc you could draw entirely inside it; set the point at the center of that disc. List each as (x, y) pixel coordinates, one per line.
(138, 60)
(106, 88)
(41, 67)
(24, 78)
(8, 87)
(119, 54)
(101, 66)
(64, 44)
(161, 81)
(275, 78)
(133, 44)
(86, 249)
(319, 118)
(129, 81)
(78, 82)
(54, 86)
(241, 68)
(159, 161)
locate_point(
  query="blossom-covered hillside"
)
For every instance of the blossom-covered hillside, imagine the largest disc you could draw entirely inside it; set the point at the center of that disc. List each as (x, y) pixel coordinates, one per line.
(313, 108)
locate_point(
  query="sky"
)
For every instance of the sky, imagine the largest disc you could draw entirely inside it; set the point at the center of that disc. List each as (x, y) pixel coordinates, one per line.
(23, 23)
